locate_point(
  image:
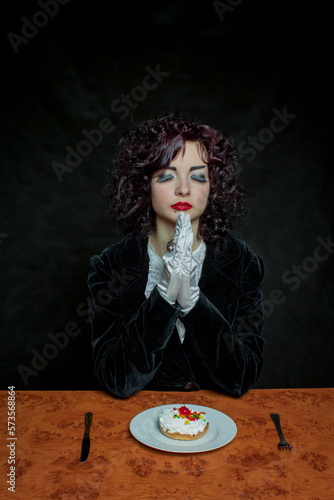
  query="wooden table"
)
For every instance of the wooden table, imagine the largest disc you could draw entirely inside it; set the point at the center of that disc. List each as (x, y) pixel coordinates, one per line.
(49, 431)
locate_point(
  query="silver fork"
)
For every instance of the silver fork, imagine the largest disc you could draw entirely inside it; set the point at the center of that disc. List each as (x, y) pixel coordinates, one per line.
(283, 444)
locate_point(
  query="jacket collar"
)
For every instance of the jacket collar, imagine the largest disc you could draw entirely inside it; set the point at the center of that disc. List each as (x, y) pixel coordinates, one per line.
(220, 275)
(132, 254)
(219, 279)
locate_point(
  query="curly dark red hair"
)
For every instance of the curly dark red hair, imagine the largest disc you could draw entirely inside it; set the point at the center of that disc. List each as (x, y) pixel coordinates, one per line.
(151, 146)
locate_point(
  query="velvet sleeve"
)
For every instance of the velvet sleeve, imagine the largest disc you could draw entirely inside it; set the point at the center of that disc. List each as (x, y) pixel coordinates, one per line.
(230, 346)
(127, 349)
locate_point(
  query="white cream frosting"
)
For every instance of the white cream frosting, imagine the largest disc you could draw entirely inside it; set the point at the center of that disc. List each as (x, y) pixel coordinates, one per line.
(167, 421)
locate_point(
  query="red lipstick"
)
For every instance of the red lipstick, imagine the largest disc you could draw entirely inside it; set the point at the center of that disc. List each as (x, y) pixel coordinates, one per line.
(181, 206)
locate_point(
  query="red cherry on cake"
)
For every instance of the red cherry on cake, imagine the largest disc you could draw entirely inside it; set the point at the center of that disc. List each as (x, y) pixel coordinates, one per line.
(184, 410)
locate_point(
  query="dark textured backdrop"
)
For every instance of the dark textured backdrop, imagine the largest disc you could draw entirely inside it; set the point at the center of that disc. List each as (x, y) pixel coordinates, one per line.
(235, 69)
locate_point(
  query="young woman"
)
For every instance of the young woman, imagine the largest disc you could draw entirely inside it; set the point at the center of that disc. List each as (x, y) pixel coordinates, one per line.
(176, 305)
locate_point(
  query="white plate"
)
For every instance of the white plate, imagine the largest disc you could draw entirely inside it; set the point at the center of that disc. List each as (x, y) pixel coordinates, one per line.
(145, 428)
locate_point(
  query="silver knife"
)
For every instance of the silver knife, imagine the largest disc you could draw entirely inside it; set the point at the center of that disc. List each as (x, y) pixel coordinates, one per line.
(86, 441)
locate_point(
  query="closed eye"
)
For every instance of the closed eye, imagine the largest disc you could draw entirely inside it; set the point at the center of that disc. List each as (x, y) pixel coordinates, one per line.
(199, 178)
(164, 177)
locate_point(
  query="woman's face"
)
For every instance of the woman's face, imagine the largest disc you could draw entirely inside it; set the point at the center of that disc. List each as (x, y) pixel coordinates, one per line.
(183, 186)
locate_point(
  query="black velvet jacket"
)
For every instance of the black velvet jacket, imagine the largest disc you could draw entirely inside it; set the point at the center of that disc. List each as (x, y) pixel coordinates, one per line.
(135, 342)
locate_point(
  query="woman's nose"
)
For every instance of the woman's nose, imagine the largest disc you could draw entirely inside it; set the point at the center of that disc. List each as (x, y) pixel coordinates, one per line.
(183, 189)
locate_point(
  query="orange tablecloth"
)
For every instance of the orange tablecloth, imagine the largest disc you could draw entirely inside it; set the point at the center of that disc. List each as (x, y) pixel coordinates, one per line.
(49, 431)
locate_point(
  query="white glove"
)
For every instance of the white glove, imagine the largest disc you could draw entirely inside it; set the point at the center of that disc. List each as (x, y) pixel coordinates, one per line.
(170, 278)
(178, 280)
(189, 290)
(188, 293)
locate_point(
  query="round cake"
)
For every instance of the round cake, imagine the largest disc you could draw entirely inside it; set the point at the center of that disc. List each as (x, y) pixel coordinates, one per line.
(183, 423)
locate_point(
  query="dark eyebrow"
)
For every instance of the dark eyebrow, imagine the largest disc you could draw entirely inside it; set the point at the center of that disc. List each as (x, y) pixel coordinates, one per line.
(191, 168)
(197, 168)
